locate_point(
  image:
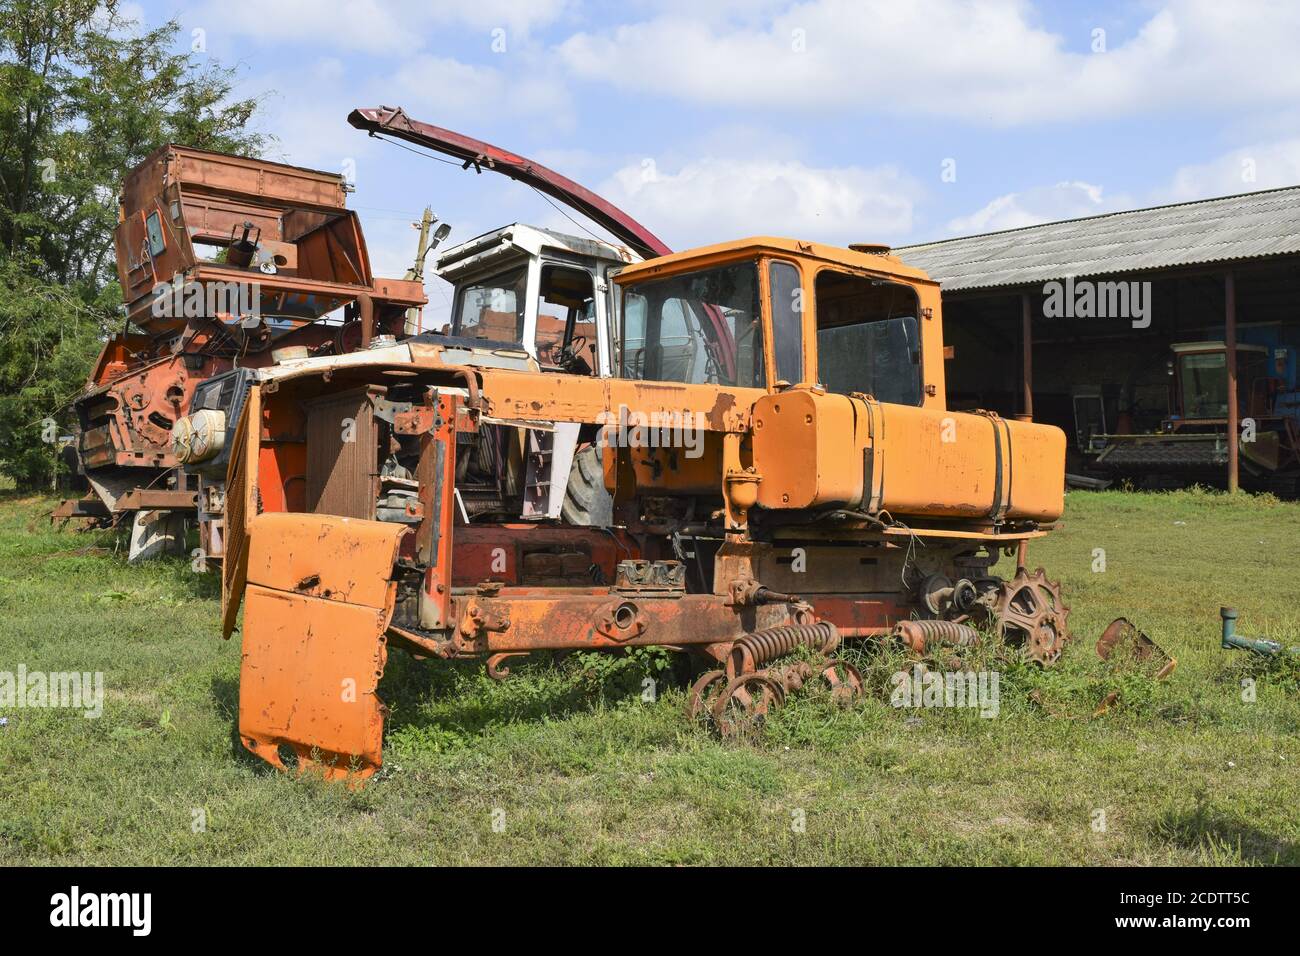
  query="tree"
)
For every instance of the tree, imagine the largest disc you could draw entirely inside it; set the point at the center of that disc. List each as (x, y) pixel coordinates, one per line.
(85, 95)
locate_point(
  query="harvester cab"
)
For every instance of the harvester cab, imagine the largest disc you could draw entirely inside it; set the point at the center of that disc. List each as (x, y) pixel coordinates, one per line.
(523, 290)
(537, 290)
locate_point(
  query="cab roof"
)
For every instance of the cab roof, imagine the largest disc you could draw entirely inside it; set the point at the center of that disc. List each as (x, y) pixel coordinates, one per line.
(530, 239)
(883, 263)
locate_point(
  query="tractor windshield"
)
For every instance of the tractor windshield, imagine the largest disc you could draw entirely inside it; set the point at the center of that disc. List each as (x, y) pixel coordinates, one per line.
(1203, 377)
(698, 328)
(492, 308)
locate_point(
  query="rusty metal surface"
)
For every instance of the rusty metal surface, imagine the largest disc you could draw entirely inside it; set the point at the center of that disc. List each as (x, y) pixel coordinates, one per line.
(1030, 612)
(760, 647)
(307, 257)
(521, 619)
(920, 636)
(90, 507)
(324, 556)
(157, 499)
(342, 443)
(241, 508)
(1122, 636)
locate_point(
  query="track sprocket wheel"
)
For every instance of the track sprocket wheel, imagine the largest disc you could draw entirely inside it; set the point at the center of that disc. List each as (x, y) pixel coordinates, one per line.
(1030, 614)
(742, 707)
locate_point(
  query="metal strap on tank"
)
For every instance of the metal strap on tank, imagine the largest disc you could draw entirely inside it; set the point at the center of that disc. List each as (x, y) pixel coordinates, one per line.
(1001, 480)
(872, 460)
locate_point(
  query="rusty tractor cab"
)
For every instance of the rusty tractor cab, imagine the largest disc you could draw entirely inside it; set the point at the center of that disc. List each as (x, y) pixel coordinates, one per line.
(537, 289)
(224, 262)
(1191, 442)
(522, 290)
(784, 470)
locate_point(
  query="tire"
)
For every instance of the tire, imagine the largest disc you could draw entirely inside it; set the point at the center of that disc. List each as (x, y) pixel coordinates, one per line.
(586, 502)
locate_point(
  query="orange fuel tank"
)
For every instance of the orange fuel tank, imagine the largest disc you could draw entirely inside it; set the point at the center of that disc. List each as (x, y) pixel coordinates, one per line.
(813, 450)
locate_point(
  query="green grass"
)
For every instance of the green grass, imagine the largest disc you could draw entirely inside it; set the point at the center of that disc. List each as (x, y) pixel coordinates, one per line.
(585, 772)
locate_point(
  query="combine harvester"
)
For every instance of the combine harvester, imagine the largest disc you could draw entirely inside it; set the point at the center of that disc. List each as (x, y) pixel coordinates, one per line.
(770, 421)
(225, 263)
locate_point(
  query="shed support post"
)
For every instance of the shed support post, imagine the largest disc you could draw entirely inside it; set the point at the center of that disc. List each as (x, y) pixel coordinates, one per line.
(1230, 343)
(1027, 384)
(1026, 360)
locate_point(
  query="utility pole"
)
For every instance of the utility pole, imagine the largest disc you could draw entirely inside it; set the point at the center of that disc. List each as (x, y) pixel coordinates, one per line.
(425, 224)
(416, 272)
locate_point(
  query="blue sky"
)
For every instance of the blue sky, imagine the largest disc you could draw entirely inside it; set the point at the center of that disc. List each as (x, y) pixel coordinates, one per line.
(874, 120)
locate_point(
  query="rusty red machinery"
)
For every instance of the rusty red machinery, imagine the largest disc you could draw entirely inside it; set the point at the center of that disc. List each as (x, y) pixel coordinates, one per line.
(783, 481)
(224, 262)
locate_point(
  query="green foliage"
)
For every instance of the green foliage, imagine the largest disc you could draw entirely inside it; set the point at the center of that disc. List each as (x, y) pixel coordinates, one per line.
(85, 95)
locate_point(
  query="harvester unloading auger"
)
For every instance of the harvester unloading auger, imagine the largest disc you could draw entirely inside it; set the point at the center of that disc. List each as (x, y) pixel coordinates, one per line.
(773, 430)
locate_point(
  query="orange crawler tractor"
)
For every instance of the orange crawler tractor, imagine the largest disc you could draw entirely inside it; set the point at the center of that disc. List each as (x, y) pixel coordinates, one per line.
(784, 473)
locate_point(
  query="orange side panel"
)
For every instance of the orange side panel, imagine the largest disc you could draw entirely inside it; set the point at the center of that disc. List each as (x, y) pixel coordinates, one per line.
(308, 681)
(318, 601)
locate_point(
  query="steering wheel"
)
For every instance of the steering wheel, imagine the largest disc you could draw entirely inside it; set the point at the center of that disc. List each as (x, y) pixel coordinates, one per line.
(573, 351)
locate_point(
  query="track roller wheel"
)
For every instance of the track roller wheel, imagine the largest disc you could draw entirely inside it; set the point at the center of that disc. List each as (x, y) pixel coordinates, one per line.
(704, 693)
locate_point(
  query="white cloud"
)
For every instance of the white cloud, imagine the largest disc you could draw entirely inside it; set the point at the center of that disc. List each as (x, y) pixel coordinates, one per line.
(370, 26)
(1065, 200)
(445, 89)
(1261, 166)
(714, 199)
(977, 60)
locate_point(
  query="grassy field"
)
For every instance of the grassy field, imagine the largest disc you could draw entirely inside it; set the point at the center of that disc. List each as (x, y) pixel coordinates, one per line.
(578, 769)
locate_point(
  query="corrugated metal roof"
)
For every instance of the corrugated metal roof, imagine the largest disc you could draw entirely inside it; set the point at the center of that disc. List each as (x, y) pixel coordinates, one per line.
(1256, 224)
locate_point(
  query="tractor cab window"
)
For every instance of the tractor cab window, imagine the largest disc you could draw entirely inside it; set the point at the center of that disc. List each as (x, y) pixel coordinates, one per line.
(493, 308)
(699, 328)
(1203, 377)
(787, 321)
(566, 320)
(868, 338)
(1205, 385)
